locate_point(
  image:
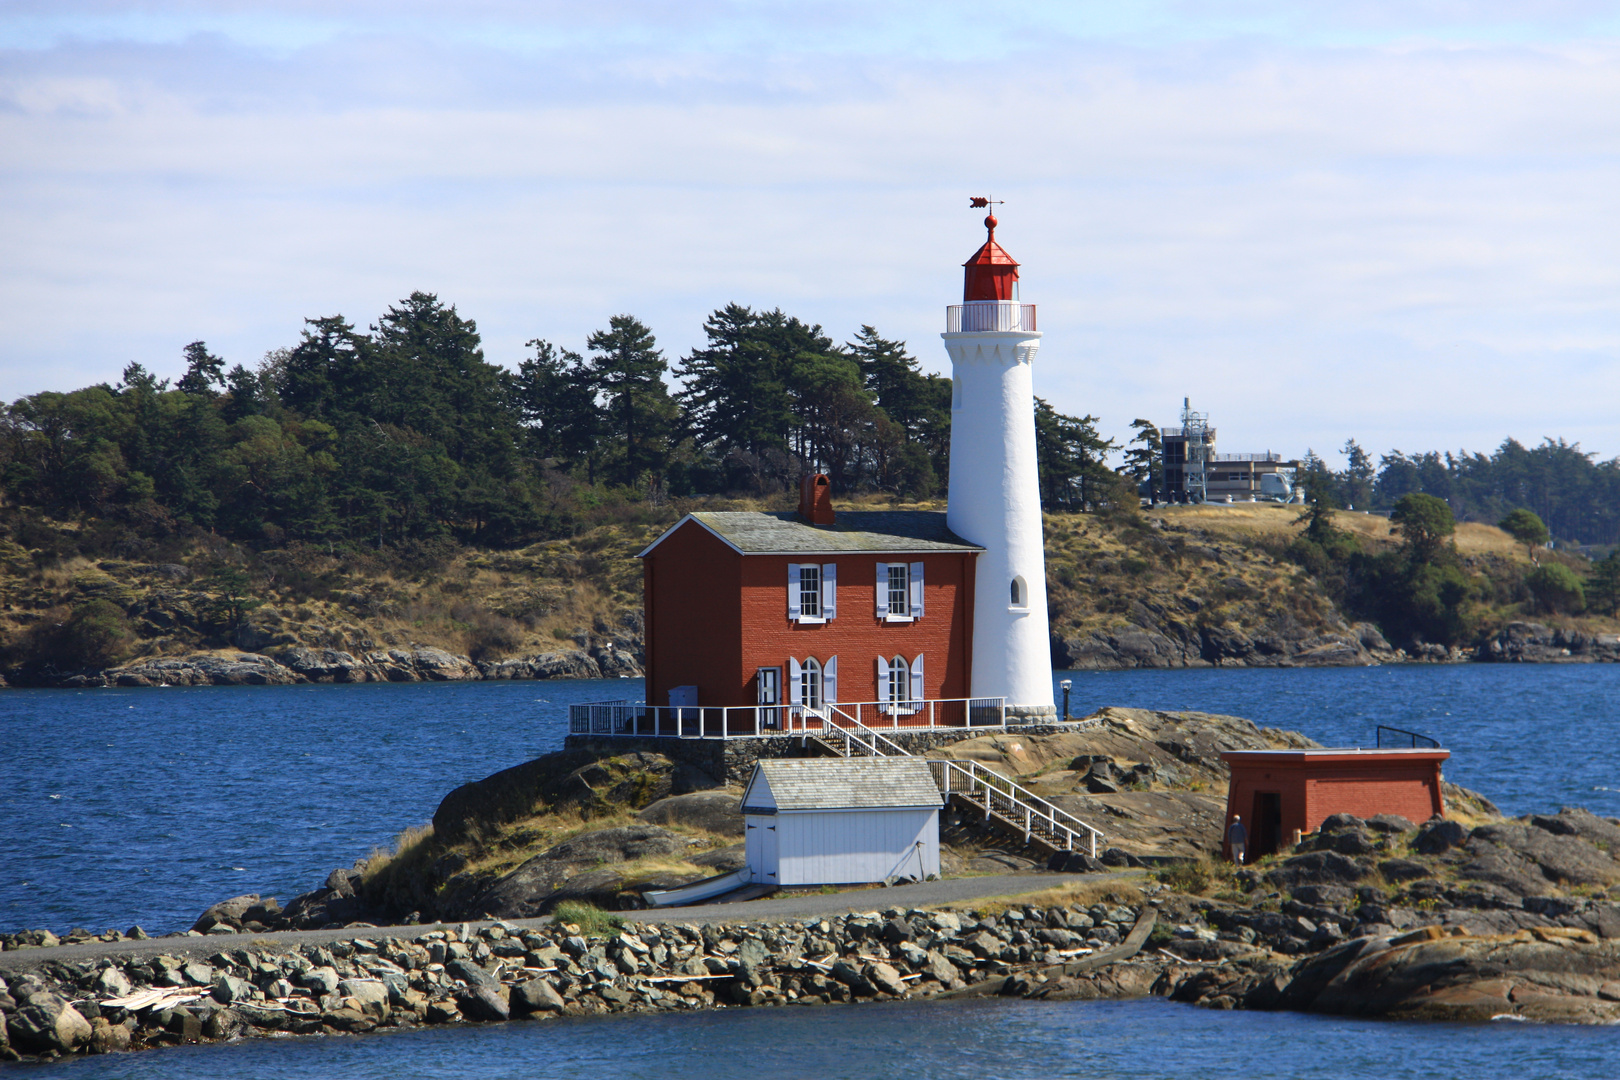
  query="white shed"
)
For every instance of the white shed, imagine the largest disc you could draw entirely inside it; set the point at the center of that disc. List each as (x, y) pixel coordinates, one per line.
(841, 821)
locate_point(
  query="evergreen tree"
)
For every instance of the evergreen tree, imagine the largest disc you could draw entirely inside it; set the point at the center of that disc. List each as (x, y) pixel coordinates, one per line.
(555, 394)
(739, 392)
(204, 371)
(1070, 461)
(1424, 522)
(1144, 460)
(1603, 586)
(1525, 527)
(639, 416)
(1358, 477)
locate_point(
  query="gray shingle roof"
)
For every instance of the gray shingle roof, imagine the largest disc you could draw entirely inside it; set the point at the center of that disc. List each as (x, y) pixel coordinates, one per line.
(842, 784)
(755, 532)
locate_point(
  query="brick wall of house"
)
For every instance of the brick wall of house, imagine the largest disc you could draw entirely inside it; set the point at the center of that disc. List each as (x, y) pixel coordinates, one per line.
(715, 617)
(691, 603)
(856, 636)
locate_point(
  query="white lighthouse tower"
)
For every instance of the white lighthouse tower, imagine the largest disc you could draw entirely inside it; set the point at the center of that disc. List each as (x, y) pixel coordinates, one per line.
(995, 498)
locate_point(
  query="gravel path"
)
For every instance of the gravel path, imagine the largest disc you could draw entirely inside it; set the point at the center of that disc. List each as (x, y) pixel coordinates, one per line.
(800, 906)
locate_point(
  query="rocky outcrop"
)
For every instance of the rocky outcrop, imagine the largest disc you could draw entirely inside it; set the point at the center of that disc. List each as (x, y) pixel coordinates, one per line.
(300, 664)
(242, 669)
(1159, 642)
(578, 781)
(716, 812)
(565, 664)
(1531, 642)
(582, 868)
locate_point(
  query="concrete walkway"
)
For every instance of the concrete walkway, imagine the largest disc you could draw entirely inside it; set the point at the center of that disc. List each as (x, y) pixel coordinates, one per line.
(768, 909)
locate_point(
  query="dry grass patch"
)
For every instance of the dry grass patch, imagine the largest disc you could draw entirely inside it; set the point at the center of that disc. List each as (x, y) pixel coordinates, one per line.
(1125, 890)
(1258, 521)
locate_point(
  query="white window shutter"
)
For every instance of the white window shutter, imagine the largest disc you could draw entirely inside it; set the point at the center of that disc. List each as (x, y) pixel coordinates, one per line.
(793, 591)
(829, 590)
(795, 682)
(882, 591)
(916, 590)
(829, 680)
(917, 678)
(883, 682)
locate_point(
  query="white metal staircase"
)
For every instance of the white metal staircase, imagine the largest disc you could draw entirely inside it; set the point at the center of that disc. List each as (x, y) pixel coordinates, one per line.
(1001, 802)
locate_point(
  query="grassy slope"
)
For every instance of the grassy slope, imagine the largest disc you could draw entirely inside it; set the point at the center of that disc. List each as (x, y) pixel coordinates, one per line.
(564, 593)
(1224, 566)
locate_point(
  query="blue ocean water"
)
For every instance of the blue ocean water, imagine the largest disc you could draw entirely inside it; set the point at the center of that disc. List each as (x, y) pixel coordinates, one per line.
(145, 806)
(986, 1040)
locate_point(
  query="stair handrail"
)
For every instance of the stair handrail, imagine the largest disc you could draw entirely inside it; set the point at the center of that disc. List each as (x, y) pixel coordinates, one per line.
(1019, 797)
(879, 740)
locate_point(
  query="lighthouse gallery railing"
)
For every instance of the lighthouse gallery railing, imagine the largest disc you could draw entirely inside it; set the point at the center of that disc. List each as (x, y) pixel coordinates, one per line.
(989, 315)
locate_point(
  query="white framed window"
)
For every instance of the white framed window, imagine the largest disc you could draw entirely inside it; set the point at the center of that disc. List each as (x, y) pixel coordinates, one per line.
(812, 592)
(899, 592)
(812, 684)
(900, 684)
(809, 592)
(1020, 593)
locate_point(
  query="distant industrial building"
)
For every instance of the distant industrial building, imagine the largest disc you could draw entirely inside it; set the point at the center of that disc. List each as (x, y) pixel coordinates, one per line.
(1249, 477)
(1194, 472)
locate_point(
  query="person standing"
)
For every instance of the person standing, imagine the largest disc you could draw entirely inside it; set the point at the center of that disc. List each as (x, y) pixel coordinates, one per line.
(1237, 838)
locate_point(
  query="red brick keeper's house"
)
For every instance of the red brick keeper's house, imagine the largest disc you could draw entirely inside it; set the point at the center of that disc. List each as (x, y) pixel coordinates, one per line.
(787, 614)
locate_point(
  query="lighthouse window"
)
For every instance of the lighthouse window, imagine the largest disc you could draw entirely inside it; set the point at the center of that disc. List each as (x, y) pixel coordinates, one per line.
(1017, 592)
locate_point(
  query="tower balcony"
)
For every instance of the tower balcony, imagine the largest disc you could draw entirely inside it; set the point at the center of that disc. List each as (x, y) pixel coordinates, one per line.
(989, 315)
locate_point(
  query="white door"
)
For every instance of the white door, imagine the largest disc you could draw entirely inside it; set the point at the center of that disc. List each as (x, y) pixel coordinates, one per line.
(759, 846)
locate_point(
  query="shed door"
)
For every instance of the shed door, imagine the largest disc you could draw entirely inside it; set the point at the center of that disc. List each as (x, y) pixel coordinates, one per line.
(760, 847)
(1265, 829)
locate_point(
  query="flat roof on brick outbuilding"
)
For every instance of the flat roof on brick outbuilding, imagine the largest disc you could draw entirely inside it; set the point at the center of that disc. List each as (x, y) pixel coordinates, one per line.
(856, 532)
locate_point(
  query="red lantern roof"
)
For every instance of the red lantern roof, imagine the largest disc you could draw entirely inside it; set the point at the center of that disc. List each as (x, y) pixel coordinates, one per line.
(991, 273)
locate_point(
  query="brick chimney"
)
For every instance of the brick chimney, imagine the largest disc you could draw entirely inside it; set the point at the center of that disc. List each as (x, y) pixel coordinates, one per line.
(815, 499)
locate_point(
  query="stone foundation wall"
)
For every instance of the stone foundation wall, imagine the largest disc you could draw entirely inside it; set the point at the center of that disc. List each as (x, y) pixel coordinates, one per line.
(734, 758)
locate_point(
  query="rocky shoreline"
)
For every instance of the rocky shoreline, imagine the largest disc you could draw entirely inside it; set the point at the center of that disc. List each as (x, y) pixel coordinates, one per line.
(1151, 643)
(1562, 967)
(305, 665)
(1148, 645)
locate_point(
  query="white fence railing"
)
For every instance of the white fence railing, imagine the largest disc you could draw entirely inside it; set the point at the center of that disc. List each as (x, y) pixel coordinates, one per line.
(1014, 804)
(750, 721)
(986, 315)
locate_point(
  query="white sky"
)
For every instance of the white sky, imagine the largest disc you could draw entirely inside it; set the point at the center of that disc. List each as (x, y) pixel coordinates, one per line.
(1389, 221)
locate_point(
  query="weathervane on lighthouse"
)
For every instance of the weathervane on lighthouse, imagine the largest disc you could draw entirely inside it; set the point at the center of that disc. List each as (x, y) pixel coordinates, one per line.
(994, 492)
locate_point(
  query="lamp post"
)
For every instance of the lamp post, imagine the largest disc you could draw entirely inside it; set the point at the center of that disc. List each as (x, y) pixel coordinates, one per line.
(1065, 684)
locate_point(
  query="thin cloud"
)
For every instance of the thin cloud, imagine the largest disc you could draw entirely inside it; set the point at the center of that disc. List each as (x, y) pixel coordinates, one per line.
(1411, 243)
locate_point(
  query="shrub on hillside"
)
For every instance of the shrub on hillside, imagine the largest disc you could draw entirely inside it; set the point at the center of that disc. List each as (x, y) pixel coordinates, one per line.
(1556, 589)
(94, 634)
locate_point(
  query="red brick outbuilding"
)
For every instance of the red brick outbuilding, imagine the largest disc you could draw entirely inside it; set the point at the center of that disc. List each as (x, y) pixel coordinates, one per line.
(1279, 791)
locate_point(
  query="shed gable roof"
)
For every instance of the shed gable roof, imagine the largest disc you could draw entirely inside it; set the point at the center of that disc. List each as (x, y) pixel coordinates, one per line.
(753, 532)
(841, 784)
